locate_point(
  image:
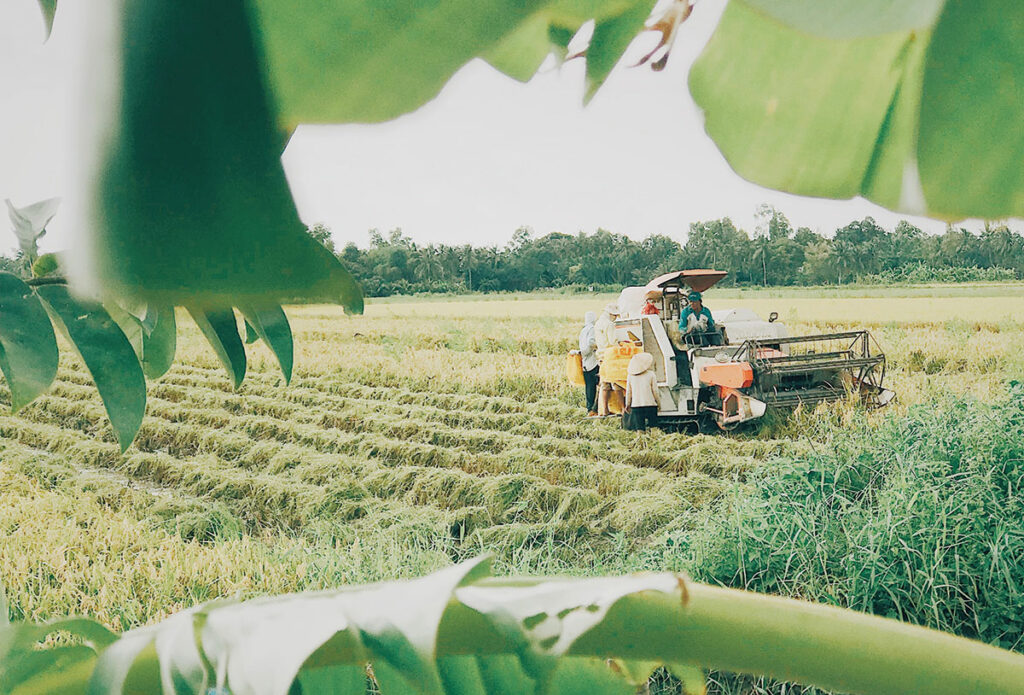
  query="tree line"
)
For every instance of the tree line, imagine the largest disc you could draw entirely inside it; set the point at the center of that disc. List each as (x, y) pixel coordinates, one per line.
(775, 254)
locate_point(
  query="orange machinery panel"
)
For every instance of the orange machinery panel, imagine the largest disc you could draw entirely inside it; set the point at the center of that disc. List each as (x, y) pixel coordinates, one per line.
(736, 375)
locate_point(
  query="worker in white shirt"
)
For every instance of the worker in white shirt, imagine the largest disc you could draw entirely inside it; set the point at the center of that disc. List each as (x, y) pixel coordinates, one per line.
(642, 397)
(588, 353)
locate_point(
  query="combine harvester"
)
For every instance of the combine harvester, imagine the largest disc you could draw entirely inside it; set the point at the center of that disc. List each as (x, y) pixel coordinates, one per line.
(733, 373)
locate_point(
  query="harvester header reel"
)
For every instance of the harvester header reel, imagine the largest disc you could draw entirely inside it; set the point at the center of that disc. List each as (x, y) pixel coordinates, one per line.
(810, 369)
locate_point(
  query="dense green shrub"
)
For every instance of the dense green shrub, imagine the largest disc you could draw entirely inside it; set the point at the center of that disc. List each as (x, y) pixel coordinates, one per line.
(920, 519)
(918, 273)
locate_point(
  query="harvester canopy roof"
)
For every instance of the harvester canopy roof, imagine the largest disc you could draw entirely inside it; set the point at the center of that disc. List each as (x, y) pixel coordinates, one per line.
(698, 280)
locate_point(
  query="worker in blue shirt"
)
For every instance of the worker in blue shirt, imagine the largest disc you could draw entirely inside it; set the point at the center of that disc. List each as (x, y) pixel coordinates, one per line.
(696, 318)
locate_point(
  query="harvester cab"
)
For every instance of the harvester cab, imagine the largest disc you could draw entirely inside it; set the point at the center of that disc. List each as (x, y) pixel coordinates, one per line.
(744, 365)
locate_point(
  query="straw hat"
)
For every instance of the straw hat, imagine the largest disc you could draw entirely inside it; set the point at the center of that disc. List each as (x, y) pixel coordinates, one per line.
(612, 309)
(653, 294)
(640, 363)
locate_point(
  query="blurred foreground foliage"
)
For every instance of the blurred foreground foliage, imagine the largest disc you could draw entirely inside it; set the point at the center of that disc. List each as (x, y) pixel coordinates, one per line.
(189, 205)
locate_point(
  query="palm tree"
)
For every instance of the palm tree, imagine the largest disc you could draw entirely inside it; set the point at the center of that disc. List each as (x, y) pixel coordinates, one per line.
(428, 265)
(761, 254)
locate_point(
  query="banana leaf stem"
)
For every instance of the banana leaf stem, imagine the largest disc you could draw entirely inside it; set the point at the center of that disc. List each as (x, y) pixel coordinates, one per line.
(806, 643)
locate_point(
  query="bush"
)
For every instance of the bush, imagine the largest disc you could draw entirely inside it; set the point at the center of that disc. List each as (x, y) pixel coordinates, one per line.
(921, 519)
(920, 273)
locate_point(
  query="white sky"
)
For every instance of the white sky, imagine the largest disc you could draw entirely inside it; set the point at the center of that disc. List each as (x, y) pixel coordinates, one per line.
(487, 156)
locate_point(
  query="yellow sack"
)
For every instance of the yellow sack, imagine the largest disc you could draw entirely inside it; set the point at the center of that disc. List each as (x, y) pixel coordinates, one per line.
(574, 368)
(616, 401)
(615, 362)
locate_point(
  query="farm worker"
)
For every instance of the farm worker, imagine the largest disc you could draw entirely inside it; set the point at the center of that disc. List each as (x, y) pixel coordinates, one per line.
(695, 317)
(588, 351)
(604, 329)
(642, 397)
(651, 306)
(604, 335)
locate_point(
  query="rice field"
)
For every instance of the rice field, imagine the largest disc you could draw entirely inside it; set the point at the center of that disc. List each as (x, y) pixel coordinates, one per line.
(426, 431)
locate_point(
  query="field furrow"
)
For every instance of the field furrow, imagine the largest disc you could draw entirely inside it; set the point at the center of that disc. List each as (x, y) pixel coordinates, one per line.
(406, 440)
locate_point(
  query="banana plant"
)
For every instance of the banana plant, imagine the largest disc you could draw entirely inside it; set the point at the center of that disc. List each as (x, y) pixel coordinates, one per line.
(461, 631)
(29, 224)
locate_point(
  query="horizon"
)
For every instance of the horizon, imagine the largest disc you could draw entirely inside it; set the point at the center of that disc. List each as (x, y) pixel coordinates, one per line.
(1018, 229)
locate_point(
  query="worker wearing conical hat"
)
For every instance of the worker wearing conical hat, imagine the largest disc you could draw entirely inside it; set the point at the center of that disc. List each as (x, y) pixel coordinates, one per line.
(604, 336)
(642, 397)
(604, 328)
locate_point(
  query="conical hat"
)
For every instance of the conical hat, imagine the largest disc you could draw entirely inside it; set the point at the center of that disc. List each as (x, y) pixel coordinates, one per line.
(641, 362)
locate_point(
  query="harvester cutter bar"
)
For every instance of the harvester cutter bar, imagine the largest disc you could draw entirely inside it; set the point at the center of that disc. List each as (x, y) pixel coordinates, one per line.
(794, 398)
(812, 362)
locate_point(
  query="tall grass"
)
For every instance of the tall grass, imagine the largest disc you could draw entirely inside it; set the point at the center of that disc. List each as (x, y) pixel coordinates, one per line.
(920, 519)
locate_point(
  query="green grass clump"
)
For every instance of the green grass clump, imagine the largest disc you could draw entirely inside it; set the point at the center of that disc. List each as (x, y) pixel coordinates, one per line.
(919, 518)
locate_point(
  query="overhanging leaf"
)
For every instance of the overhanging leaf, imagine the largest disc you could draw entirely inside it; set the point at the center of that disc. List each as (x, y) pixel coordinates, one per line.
(28, 348)
(891, 178)
(49, 8)
(259, 647)
(25, 668)
(841, 19)
(129, 324)
(220, 327)
(333, 680)
(413, 630)
(583, 676)
(47, 264)
(498, 673)
(192, 204)
(183, 667)
(271, 324)
(132, 659)
(48, 671)
(559, 36)
(160, 342)
(542, 620)
(610, 40)
(26, 636)
(635, 672)
(251, 336)
(896, 117)
(521, 53)
(368, 61)
(30, 223)
(800, 113)
(153, 337)
(692, 678)
(108, 356)
(972, 109)
(461, 676)
(668, 26)
(574, 13)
